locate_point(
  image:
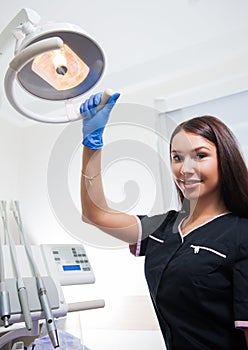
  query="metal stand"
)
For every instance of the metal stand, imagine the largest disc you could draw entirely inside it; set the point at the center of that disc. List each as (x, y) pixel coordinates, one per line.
(18, 333)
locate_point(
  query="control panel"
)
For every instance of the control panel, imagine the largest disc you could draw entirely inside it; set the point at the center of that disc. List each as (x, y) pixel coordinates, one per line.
(70, 261)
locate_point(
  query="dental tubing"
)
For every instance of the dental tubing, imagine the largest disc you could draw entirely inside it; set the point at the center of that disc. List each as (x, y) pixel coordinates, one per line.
(21, 289)
(42, 292)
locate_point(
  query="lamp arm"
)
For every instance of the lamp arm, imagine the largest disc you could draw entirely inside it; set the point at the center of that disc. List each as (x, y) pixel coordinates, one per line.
(30, 52)
(24, 15)
(17, 63)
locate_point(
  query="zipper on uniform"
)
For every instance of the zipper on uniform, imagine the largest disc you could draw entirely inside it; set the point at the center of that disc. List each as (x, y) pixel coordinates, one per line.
(156, 239)
(198, 247)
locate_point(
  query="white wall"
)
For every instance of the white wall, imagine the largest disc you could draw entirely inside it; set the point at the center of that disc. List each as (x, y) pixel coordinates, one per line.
(9, 159)
(232, 110)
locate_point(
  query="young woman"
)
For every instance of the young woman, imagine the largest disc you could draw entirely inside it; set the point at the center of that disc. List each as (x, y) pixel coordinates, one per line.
(196, 262)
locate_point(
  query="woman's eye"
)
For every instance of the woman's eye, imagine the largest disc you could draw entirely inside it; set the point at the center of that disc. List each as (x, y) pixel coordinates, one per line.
(200, 156)
(177, 158)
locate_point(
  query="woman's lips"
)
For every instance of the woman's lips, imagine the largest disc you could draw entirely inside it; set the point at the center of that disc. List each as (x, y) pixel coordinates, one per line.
(190, 184)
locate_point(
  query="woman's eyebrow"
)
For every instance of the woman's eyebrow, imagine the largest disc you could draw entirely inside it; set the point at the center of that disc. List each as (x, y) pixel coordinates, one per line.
(193, 150)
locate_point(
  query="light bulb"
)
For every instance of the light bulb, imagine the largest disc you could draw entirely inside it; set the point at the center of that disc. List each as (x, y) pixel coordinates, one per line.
(62, 69)
(60, 63)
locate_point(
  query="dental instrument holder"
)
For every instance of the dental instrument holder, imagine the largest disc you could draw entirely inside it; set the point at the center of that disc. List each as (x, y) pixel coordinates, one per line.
(53, 284)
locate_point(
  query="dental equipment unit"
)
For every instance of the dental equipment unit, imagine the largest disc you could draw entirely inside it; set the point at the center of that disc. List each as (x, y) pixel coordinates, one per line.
(30, 282)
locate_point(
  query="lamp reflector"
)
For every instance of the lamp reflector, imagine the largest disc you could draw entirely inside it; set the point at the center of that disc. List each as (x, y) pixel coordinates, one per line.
(62, 69)
(84, 47)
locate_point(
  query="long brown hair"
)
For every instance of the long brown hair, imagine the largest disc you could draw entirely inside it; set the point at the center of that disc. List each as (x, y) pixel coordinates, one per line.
(232, 168)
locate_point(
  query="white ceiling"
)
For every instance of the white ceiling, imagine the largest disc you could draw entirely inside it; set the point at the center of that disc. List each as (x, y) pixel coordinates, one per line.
(147, 42)
(134, 31)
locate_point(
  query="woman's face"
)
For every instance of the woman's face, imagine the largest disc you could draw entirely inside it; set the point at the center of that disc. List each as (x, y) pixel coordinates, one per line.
(195, 166)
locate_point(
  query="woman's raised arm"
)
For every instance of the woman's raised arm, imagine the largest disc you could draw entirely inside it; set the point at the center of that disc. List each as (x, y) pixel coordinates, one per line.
(95, 210)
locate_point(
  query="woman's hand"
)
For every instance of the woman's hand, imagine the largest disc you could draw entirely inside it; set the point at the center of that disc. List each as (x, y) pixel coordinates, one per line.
(95, 119)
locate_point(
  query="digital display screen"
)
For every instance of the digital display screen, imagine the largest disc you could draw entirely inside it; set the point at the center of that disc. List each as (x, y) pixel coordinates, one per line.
(71, 267)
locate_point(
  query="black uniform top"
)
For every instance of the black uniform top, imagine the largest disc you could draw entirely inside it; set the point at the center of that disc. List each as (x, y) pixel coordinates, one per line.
(198, 282)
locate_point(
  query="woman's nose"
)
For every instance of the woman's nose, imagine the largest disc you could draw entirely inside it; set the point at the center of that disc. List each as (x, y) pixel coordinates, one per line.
(187, 166)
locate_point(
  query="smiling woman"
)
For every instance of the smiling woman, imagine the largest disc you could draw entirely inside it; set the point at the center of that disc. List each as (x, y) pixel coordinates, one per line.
(196, 262)
(195, 166)
(214, 158)
(194, 163)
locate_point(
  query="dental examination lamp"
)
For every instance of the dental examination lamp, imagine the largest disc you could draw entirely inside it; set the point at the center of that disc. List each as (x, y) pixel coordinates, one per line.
(53, 62)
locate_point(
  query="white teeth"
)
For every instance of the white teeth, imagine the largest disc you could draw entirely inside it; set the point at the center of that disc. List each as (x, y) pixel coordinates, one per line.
(190, 182)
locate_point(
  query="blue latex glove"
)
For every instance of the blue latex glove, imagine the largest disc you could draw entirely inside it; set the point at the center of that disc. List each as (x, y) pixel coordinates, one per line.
(95, 121)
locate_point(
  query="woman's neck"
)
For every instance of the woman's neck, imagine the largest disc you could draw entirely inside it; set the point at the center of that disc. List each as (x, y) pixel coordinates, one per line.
(201, 213)
(206, 210)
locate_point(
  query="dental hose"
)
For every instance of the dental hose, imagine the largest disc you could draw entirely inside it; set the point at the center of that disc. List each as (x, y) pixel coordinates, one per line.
(5, 310)
(21, 288)
(42, 292)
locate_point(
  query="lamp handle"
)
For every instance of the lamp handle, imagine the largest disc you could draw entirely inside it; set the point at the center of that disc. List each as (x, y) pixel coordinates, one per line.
(76, 115)
(105, 97)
